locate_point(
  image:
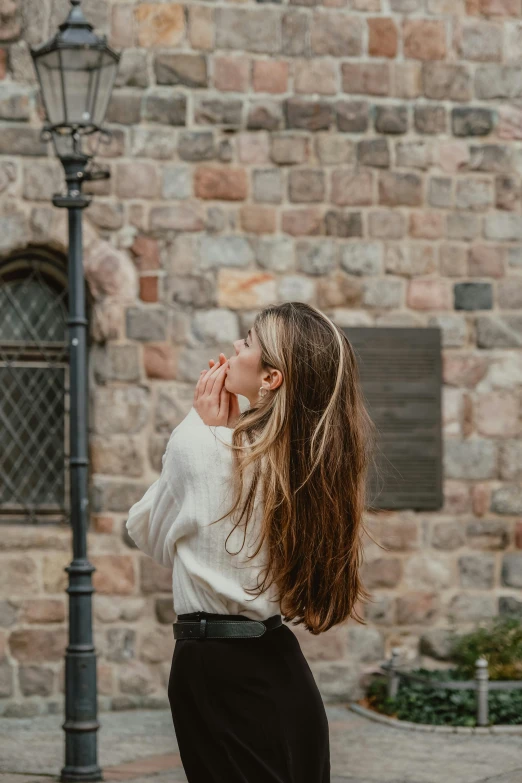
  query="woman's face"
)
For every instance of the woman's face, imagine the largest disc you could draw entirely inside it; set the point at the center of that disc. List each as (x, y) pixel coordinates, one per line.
(244, 375)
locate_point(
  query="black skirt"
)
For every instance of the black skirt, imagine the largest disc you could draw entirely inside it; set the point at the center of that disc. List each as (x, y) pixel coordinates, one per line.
(248, 710)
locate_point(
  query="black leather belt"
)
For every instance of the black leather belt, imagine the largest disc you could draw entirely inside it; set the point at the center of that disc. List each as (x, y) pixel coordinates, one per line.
(224, 629)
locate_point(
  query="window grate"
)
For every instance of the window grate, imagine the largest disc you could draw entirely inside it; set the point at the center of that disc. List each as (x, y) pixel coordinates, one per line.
(401, 378)
(34, 381)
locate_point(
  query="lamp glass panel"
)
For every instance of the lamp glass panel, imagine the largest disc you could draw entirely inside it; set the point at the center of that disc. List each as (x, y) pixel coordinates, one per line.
(109, 69)
(49, 73)
(80, 72)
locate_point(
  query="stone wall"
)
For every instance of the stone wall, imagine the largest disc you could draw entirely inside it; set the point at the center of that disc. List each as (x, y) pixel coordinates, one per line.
(361, 155)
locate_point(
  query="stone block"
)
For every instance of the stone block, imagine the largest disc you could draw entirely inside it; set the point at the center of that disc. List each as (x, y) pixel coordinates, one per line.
(382, 37)
(499, 331)
(36, 680)
(223, 184)
(213, 111)
(507, 500)
(164, 106)
(391, 119)
(424, 39)
(426, 225)
(472, 121)
(362, 258)
(154, 578)
(177, 185)
(410, 261)
(231, 74)
(352, 186)
(437, 644)
(334, 149)
(497, 414)
(296, 288)
(365, 644)
(498, 81)
(177, 217)
(512, 570)
(306, 221)
(133, 69)
(352, 116)
(446, 81)
(407, 80)
(45, 610)
(265, 115)
(479, 40)
(417, 608)
(381, 610)
(306, 185)
(17, 575)
(125, 107)
(477, 571)
(308, 115)
(296, 33)
(428, 294)
(470, 460)
(276, 255)
(137, 177)
(452, 260)
(488, 534)
(136, 678)
(120, 645)
(509, 293)
(225, 251)
(201, 27)
(365, 78)
(267, 186)
(255, 219)
(447, 536)
(336, 34)
(288, 148)
(511, 460)
(383, 293)
(485, 261)
(374, 152)
(270, 76)
(338, 290)
(381, 572)
(400, 189)
(315, 76)
(42, 179)
(473, 296)
(463, 226)
(431, 120)
(32, 645)
(248, 29)
(343, 224)
(316, 257)
(244, 289)
(413, 154)
(440, 192)
(387, 224)
(159, 24)
(474, 194)
(490, 157)
(189, 70)
(453, 328)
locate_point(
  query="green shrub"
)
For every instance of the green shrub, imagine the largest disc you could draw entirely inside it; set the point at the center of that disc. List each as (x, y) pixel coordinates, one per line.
(500, 643)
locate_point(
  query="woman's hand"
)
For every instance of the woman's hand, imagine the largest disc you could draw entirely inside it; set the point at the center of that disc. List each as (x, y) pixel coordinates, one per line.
(215, 404)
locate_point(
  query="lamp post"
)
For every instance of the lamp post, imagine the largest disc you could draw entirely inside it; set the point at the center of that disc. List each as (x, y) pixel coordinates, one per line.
(76, 70)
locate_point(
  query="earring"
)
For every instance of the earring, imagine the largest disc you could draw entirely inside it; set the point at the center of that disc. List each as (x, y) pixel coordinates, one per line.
(263, 391)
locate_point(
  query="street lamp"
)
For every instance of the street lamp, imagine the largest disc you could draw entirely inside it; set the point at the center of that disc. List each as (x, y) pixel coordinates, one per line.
(76, 70)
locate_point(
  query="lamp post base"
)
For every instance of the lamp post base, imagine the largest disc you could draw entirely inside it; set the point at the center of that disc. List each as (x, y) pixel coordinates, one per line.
(86, 774)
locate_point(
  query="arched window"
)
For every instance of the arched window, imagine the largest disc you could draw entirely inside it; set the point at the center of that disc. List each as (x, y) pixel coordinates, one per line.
(34, 388)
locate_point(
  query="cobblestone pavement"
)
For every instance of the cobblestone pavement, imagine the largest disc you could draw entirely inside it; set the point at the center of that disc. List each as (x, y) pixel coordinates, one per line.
(140, 746)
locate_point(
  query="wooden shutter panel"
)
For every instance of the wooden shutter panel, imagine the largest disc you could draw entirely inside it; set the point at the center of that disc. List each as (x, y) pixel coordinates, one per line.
(401, 376)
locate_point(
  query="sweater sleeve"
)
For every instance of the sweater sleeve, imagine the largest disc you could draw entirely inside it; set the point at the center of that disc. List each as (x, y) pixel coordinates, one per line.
(150, 522)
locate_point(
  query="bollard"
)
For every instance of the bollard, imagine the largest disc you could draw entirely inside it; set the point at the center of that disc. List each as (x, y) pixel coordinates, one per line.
(482, 679)
(393, 677)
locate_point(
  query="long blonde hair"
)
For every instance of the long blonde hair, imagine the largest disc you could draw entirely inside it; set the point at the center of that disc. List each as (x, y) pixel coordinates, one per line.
(309, 443)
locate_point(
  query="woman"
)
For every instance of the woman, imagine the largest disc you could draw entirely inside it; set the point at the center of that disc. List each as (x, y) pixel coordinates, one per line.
(245, 705)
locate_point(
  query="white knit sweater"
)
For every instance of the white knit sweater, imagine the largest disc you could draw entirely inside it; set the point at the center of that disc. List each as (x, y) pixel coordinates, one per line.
(170, 524)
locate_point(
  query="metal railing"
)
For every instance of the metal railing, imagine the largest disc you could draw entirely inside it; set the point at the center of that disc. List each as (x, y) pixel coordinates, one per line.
(482, 685)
